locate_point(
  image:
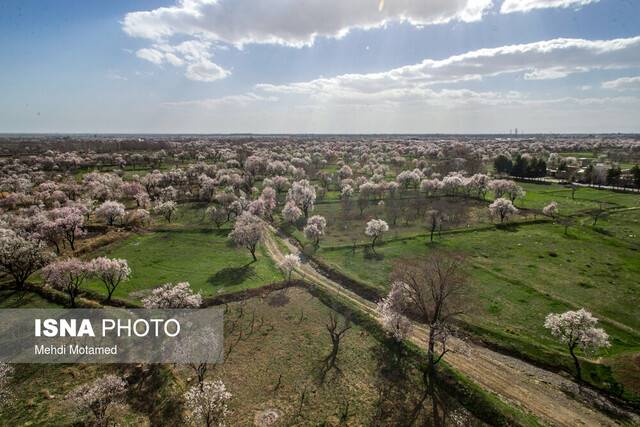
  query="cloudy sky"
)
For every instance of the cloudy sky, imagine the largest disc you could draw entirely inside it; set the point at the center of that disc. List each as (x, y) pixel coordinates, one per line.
(320, 66)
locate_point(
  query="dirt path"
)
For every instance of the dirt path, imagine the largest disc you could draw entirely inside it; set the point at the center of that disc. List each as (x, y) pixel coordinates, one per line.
(534, 390)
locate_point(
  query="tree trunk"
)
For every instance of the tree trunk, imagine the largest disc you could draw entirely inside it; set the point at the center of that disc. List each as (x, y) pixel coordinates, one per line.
(577, 364)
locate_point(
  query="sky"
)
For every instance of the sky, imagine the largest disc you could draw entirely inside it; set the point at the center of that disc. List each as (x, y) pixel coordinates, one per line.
(311, 66)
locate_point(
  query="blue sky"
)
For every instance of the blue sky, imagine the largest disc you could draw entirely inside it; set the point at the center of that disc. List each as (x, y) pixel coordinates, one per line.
(320, 66)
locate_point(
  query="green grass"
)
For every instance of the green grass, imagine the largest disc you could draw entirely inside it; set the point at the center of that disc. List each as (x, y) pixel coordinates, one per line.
(10, 298)
(624, 225)
(205, 259)
(538, 196)
(344, 229)
(520, 274)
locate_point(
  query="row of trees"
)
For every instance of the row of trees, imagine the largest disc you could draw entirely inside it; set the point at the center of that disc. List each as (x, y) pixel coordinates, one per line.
(525, 166)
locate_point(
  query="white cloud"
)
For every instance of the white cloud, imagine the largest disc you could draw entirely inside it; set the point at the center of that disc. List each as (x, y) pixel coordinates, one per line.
(225, 101)
(510, 6)
(205, 71)
(151, 55)
(194, 55)
(291, 22)
(546, 74)
(541, 60)
(623, 83)
(114, 75)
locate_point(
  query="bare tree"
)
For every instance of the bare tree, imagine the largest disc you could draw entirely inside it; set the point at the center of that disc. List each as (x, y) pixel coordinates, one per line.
(597, 213)
(336, 332)
(434, 220)
(433, 290)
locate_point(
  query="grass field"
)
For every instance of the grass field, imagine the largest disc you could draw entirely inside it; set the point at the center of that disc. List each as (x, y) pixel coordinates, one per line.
(522, 272)
(10, 298)
(204, 258)
(345, 228)
(539, 195)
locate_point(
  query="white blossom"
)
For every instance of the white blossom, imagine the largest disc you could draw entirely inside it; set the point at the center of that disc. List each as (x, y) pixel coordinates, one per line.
(502, 208)
(289, 263)
(207, 403)
(173, 296)
(98, 395)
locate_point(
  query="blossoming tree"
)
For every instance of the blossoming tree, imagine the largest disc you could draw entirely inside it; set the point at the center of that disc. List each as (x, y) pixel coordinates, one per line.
(577, 330)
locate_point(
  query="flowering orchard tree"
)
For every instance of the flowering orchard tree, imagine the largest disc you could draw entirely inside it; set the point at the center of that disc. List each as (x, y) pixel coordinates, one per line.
(291, 213)
(207, 403)
(110, 211)
(173, 296)
(375, 229)
(20, 257)
(502, 208)
(111, 272)
(257, 208)
(280, 183)
(67, 276)
(409, 179)
(479, 183)
(430, 186)
(69, 220)
(217, 215)
(345, 172)
(269, 196)
(315, 228)
(138, 217)
(142, 199)
(6, 372)
(390, 311)
(132, 189)
(247, 232)
(97, 396)
(48, 231)
(288, 264)
(303, 195)
(166, 209)
(577, 329)
(347, 192)
(505, 187)
(551, 210)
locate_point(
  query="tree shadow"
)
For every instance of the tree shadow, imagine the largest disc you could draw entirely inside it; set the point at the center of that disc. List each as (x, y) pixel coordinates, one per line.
(144, 394)
(369, 254)
(395, 401)
(219, 232)
(18, 297)
(508, 226)
(278, 299)
(232, 275)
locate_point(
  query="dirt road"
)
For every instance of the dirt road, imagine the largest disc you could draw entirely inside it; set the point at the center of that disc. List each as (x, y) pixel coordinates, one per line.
(534, 390)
